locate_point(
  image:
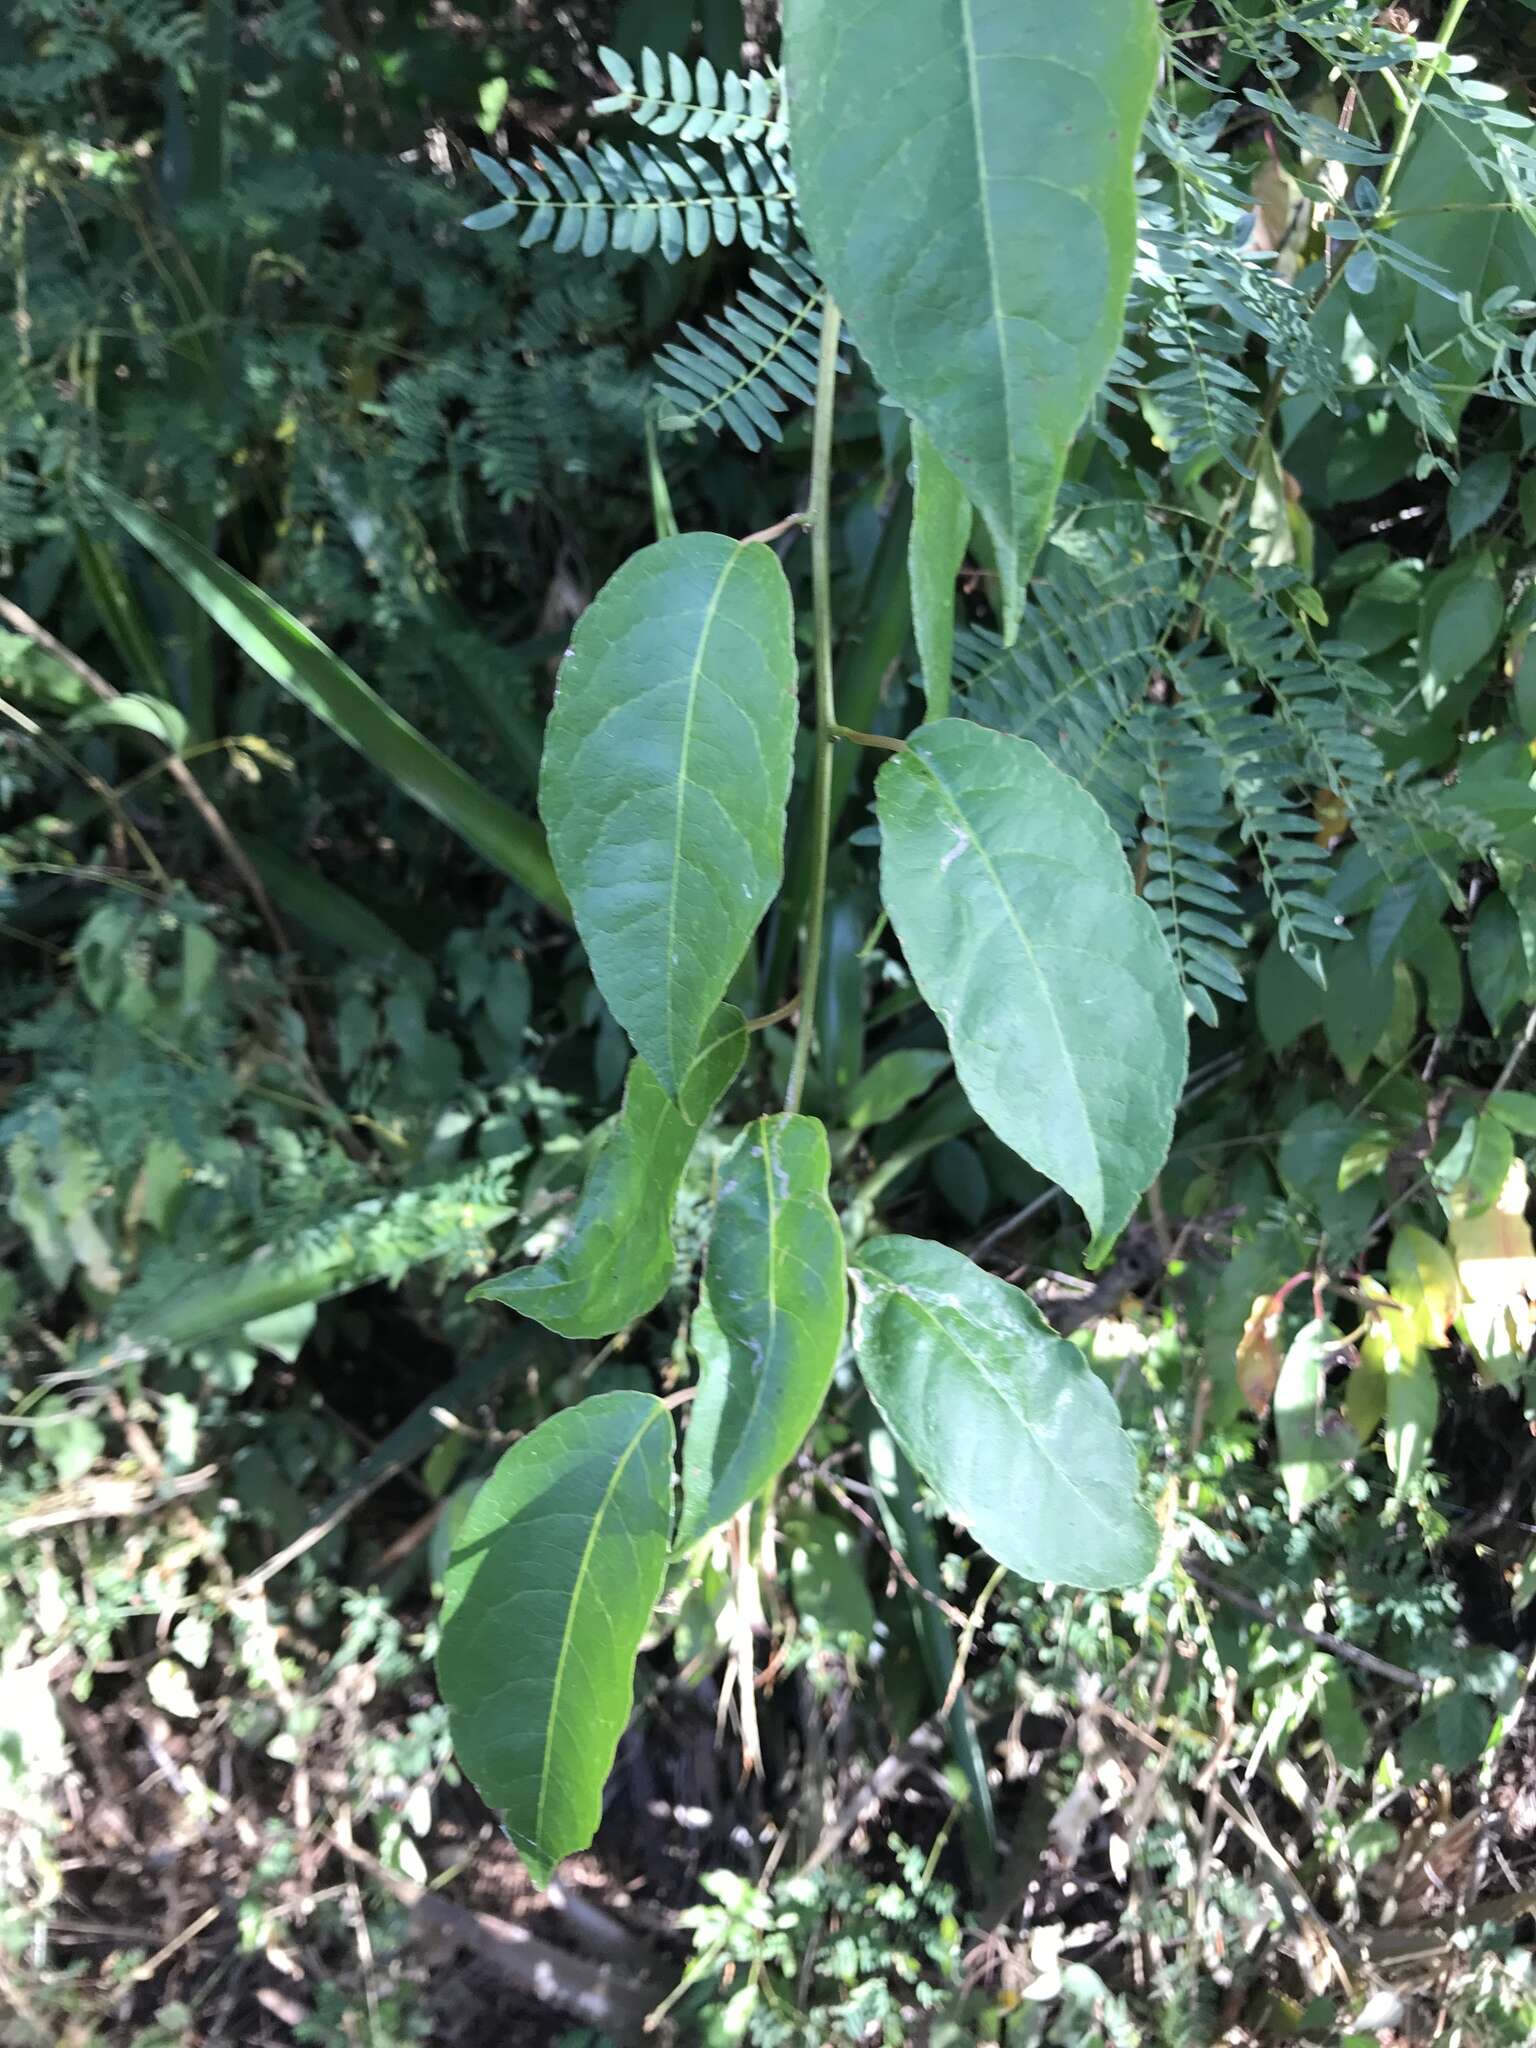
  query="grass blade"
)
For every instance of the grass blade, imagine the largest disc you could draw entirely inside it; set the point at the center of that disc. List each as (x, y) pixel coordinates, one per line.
(306, 668)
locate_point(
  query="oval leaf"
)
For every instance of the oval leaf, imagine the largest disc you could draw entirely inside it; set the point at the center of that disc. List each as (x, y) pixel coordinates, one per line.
(770, 1320)
(1004, 1419)
(964, 172)
(551, 1583)
(1014, 905)
(666, 773)
(616, 1261)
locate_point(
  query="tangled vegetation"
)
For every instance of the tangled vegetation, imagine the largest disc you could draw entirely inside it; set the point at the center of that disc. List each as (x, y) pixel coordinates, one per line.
(371, 367)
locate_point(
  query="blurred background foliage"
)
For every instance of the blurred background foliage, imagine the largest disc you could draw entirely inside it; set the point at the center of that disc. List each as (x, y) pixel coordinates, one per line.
(286, 1066)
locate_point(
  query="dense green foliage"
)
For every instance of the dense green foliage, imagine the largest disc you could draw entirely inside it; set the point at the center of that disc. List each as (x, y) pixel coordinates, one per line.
(392, 404)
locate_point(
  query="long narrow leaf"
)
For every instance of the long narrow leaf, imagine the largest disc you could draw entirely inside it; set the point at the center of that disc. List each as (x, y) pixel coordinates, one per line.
(306, 668)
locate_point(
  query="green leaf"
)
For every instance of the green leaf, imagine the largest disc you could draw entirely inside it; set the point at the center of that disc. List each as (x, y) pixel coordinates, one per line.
(1357, 1006)
(547, 1594)
(1311, 1161)
(1413, 1409)
(826, 1582)
(160, 721)
(1477, 494)
(894, 1081)
(1314, 1442)
(1462, 612)
(770, 1319)
(964, 172)
(1496, 959)
(1288, 1001)
(1449, 1735)
(303, 666)
(1515, 1109)
(1471, 1174)
(617, 1260)
(1437, 959)
(1004, 1419)
(941, 528)
(994, 867)
(666, 772)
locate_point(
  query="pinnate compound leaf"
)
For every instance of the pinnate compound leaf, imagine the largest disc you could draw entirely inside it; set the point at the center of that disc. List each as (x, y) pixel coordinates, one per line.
(1005, 1420)
(547, 1594)
(964, 172)
(1014, 905)
(665, 777)
(616, 1261)
(770, 1320)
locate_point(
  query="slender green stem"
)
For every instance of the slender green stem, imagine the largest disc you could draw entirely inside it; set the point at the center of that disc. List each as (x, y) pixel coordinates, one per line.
(818, 516)
(869, 739)
(1421, 84)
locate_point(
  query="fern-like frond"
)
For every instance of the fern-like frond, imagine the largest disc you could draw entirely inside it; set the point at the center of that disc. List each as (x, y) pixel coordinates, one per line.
(1259, 770)
(1185, 873)
(681, 204)
(1331, 704)
(698, 104)
(749, 362)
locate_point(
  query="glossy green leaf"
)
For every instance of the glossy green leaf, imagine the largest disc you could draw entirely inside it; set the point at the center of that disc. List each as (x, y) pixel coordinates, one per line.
(770, 1318)
(941, 527)
(617, 1259)
(892, 1083)
(666, 772)
(1005, 1420)
(964, 171)
(995, 868)
(1314, 1441)
(547, 1594)
(303, 666)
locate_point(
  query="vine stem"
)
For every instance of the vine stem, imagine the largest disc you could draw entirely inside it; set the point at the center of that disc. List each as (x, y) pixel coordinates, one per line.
(818, 518)
(1422, 79)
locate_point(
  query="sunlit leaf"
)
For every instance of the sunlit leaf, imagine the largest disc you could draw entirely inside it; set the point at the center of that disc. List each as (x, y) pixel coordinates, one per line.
(666, 772)
(994, 867)
(964, 171)
(1005, 1420)
(770, 1319)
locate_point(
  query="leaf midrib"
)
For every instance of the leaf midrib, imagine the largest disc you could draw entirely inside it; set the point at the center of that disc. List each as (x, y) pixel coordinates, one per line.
(975, 838)
(989, 240)
(553, 1722)
(682, 784)
(1008, 1396)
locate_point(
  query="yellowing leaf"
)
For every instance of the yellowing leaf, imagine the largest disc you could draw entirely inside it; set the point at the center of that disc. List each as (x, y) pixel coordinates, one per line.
(1421, 1275)
(1258, 1351)
(1496, 1265)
